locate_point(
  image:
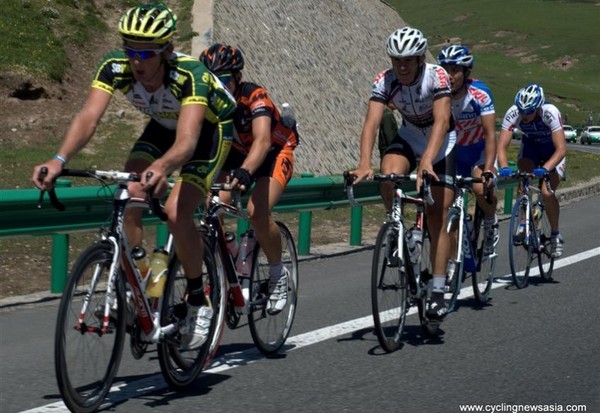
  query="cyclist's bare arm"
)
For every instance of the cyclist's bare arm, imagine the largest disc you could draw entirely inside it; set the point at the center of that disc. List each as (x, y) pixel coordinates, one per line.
(441, 124)
(489, 130)
(367, 140)
(503, 142)
(80, 132)
(560, 149)
(189, 125)
(261, 132)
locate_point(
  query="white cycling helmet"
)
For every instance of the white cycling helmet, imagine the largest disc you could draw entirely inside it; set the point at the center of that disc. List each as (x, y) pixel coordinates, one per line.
(406, 42)
(529, 99)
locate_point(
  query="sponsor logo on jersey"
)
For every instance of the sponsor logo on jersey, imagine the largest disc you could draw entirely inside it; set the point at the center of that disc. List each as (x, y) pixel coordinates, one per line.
(118, 68)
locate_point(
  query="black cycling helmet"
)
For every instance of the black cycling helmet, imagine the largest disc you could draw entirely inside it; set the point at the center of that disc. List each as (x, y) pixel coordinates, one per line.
(222, 58)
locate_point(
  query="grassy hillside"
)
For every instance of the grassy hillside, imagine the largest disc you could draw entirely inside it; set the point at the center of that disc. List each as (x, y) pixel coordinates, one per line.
(551, 42)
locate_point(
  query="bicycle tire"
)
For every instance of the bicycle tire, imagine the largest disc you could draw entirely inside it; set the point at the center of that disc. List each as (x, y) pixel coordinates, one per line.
(454, 284)
(219, 296)
(545, 258)
(181, 367)
(483, 278)
(519, 248)
(389, 286)
(86, 360)
(269, 332)
(429, 327)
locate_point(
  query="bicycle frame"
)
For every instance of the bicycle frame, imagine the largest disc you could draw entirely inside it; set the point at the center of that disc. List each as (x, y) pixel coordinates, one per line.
(122, 260)
(216, 209)
(397, 215)
(528, 192)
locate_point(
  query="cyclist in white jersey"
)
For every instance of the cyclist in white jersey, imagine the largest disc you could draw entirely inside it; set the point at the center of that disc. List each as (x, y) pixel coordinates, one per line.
(543, 148)
(473, 110)
(421, 93)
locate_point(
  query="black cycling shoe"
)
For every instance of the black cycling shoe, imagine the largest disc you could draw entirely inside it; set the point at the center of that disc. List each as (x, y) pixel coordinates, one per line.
(436, 307)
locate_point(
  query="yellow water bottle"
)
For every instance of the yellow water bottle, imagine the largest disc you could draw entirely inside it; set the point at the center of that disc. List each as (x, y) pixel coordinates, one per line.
(142, 261)
(158, 277)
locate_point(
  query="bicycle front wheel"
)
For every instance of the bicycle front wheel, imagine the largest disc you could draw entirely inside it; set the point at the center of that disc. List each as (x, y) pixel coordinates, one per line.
(87, 352)
(270, 331)
(519, 246)
(388, 289)
(545, 258)
(454, 281)
(179, 366)
(483, 278)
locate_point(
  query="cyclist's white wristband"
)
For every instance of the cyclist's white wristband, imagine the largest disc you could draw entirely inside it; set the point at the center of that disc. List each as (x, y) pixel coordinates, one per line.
(60, 158)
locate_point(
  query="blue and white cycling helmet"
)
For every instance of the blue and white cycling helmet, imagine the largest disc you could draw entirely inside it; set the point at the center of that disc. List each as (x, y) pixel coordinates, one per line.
(406, 42)
(456, 54)
(529, 99)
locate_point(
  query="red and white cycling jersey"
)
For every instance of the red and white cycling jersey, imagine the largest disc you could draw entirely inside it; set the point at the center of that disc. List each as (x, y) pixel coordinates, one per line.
(467, 112)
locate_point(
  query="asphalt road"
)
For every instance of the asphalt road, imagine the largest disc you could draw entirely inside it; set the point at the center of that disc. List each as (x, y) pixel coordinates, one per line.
(536, 346)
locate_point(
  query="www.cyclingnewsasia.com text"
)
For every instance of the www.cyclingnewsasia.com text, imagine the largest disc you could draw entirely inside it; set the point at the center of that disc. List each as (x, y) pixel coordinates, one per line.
(516, 408)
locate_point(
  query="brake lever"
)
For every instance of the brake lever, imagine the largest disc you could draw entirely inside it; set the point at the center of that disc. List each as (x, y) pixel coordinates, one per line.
(51, 194)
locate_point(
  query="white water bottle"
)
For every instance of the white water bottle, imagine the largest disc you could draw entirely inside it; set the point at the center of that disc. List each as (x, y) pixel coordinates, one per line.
(288, 118)
(244, 259)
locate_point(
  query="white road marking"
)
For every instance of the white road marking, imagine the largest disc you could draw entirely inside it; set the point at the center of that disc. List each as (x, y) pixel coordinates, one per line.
(123, 391)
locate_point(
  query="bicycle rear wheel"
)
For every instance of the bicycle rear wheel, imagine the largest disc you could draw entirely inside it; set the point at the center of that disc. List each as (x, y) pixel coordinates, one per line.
(545, 258)
(388, 289)
(483, 279)
(270, 331)
(519, 247)
(86, 357)
(181, 367)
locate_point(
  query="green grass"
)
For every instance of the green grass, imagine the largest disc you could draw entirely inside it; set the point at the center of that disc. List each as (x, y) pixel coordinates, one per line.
(520, 41)
(37, 33)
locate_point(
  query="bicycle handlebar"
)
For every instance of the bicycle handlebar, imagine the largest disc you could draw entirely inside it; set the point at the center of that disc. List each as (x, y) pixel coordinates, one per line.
(466, 181)
(116, 176)
(520, 175)
(425, 192)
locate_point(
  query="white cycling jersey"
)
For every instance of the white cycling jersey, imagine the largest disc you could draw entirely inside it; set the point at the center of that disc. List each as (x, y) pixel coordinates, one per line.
(415, 104)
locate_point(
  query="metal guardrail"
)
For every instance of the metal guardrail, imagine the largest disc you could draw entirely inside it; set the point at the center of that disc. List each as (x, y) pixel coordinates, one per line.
(88, 207)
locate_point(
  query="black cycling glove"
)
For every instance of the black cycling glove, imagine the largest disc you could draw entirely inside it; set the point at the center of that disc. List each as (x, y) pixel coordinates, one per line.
(243, 176)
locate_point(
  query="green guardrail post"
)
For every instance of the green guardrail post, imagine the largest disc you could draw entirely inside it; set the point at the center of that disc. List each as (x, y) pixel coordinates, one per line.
(60, 253)
(356, 215)
(304, 230)
(162, 233)
(304, 225)
(60, 262)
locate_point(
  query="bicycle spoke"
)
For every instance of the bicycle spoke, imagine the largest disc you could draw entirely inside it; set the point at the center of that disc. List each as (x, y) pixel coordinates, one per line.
(388, 290)
(520, 247)
(270, 331)
(87, 354)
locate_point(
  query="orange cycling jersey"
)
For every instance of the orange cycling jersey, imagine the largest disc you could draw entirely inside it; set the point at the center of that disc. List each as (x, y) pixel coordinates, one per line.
(253, 101)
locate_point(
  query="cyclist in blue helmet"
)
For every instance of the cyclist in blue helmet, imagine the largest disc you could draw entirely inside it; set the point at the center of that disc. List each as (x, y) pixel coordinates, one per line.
(543, 147)
(473, 110)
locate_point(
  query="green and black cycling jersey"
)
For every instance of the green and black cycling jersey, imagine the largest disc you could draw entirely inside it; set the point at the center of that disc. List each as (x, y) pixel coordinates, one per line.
(187, 81)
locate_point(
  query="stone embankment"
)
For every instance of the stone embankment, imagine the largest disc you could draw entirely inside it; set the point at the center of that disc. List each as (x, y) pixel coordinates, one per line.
(321, 56)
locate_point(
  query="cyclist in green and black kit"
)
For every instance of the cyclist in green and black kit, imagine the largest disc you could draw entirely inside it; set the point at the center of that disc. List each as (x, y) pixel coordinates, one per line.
(190, 128)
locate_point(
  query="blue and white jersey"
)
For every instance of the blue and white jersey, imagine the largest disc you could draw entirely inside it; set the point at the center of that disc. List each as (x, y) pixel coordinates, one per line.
(538, 132)
(467, 112)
